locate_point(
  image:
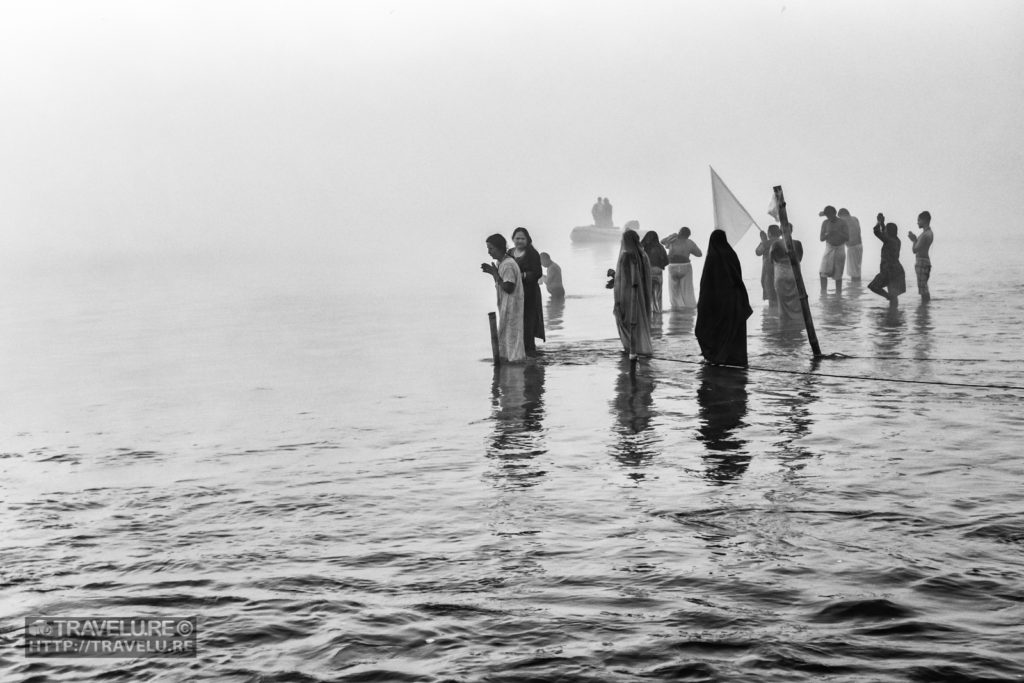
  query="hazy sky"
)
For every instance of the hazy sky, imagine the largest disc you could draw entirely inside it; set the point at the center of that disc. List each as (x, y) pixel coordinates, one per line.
(258, 125)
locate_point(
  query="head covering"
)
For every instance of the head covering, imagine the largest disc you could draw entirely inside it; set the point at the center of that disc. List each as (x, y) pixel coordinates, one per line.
(723, 306)
(498, 240)
(828, 211)
(844, 212)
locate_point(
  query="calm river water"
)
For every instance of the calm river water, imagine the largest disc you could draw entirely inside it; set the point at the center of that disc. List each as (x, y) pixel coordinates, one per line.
(321, 464)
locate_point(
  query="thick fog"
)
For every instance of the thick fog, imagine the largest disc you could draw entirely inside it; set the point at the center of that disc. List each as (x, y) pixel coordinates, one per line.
(329, 126)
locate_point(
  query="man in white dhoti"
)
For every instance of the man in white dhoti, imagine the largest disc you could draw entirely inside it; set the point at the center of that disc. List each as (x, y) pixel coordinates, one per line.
(855, 247)
(835, 235)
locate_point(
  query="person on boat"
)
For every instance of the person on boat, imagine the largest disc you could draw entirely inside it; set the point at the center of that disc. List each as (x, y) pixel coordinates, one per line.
(632, 286)
(680, 270)
(767, 270)
(606, 209)
(724, 307)
(891, 280)
(528, 260)
(921, 248)
(835, 235)
(786, 291)
(855, 247)
(552, 277)
(597, 210)
(509, 286)
(658, 257)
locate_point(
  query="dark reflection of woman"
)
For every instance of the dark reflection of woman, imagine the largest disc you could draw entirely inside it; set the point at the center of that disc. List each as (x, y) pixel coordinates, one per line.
(517, 408)
(722, 401)
(633, 406)
(890, 326)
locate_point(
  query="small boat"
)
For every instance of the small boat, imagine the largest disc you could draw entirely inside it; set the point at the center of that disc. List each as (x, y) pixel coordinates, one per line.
(593, 233)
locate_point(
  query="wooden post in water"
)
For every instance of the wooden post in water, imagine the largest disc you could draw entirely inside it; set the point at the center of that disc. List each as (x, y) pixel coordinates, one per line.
(492, 318)
(812, 338)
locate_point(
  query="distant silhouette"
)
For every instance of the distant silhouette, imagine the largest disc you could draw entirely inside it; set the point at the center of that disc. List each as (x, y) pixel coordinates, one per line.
(724, 307)
(552, 276)
(891, 280)
(597, 211)
(609, 222)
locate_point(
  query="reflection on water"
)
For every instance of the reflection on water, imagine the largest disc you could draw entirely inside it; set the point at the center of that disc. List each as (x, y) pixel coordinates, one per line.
(517, 408)
(636, 441)
(722, 401)
(923, 331)
(794, 406)
(781, 337)
(890, 324)
(554, 311)
(840, 312)
(681, 322)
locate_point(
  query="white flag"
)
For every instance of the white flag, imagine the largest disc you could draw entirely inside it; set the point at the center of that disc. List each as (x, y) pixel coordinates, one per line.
(729, 213)
(773, 208)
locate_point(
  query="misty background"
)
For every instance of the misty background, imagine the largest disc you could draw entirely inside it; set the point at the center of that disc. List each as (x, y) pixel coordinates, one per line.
(387, 130)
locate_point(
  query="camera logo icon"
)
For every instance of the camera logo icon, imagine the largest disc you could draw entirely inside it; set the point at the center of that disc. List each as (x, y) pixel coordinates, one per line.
(40, 627)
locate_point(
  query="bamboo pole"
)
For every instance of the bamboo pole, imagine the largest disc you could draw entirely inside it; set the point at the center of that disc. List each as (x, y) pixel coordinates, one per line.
(812, 338)
(492, 318)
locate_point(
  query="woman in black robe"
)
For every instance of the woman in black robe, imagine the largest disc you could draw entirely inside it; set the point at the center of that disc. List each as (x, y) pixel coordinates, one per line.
(723, 306)
(528, 260)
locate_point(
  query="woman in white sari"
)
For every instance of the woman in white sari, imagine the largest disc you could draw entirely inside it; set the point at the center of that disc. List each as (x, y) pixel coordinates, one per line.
(508, 283)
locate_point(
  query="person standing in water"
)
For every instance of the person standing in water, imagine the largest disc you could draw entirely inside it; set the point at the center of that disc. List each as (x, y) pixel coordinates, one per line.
(835, 235)
(854, 247)
(658, 257)
(632, 287)
(528, 260)
(552, 276)
(786, 291)
(680, 271)
(921, 248)
(767, 265)
(509, 286)
(724, 307)
(891, 280)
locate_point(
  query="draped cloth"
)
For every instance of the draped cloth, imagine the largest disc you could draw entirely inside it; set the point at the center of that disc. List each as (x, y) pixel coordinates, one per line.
(680, 286)
(633, 297)
(510, 313)
(789, 297)
(790, 311)
(533, 315)
(834, 261)
(854, 256)
(723, 307)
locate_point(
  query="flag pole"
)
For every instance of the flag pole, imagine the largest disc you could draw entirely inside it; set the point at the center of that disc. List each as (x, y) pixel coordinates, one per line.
(812, 338)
